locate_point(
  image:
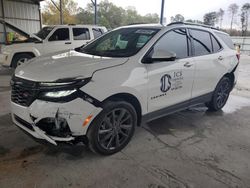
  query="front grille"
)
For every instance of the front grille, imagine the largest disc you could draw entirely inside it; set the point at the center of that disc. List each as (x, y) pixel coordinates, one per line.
(23, 122)
(23, 92)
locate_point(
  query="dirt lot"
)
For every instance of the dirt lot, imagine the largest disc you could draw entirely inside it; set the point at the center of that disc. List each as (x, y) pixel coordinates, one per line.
(193, 148)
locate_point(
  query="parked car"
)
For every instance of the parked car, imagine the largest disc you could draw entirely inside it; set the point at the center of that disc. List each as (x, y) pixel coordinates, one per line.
(131, 75)
(48, 40)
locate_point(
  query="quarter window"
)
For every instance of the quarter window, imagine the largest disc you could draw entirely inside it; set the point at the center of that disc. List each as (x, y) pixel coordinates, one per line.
(97, 32)
(60, 35)
(201, 41)
(174, 41)
(226, 38)
(81, 34)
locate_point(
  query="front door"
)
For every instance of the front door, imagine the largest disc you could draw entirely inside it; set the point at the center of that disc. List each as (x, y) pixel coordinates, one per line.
(58, 41)
(170, 82)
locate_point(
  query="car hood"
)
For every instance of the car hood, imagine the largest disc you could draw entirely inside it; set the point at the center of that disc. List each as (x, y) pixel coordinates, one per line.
(19, 30)
(65, 65)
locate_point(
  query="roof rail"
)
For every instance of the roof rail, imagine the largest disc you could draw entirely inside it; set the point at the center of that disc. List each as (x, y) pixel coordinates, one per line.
(195, 24)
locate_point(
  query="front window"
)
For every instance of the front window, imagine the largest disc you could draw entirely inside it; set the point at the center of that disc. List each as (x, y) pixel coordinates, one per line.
(44, 32)
(123, 42)
(60, 34)
(175, 41)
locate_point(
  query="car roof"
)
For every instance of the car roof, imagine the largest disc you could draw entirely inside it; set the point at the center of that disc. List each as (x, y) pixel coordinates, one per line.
(196, 25)
(77, 25)
(155, 26)
(174, 25)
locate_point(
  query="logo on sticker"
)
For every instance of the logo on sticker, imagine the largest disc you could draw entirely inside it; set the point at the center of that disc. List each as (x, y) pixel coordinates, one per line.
(165, 83)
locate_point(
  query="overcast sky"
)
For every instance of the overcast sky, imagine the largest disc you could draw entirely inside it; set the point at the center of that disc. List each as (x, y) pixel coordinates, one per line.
(190, 9)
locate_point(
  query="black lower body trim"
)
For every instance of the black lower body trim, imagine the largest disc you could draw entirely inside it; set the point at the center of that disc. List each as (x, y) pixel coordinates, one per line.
(177, 107)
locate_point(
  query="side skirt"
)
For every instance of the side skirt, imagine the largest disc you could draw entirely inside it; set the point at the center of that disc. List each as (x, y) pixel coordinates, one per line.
(177, 107)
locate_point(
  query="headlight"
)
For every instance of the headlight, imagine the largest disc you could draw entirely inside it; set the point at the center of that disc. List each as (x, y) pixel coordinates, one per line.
(61, 91)
(58, 94)
(51, 84)
(64, 83)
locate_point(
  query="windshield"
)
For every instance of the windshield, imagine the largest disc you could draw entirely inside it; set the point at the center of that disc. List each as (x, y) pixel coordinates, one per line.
(43, 33)
(123, 42)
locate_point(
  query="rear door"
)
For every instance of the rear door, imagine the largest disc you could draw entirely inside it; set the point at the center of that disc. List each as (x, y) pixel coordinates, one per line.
(209, 62)
(170, 82)
(81, 35)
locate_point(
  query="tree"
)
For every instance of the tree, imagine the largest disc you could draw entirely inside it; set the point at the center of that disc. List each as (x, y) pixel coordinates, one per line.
(220, 15)
(177, 18)
(233, 9)
(245, 11)
(109, 14)
(112, 16)
(51, 14)
(151, 18)
(84, 17)
(210, 18)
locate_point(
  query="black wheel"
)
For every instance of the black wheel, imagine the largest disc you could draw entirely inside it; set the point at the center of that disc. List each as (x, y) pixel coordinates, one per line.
(19, 59)
(220, 94)
(113, 128)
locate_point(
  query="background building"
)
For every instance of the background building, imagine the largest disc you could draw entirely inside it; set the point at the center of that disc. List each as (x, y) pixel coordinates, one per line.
(23, 13)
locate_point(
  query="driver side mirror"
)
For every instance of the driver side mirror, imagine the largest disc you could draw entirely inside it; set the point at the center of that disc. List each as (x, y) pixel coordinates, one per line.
(159, 55)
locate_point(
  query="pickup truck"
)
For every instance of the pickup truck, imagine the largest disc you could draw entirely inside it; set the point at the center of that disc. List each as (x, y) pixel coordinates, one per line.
(48, 40)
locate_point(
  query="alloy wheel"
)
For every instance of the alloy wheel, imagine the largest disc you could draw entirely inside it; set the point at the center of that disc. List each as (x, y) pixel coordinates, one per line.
(223, 94)
(115, 128)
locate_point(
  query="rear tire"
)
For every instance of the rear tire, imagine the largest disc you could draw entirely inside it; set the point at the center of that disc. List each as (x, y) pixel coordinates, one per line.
(113, 128)
(220, 95)
(19, 59)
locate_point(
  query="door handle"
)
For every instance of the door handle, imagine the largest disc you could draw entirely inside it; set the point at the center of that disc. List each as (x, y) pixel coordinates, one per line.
(220, 58)
(67, 42)
(187, 64)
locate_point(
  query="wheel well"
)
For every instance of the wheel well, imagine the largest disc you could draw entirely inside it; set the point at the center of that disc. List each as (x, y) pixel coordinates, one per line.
(19, 53)
(231, 77)
(130, 99)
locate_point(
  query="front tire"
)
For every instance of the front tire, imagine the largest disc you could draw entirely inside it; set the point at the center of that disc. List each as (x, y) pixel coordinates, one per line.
(113, 128)
(19, 59)
(220, 95)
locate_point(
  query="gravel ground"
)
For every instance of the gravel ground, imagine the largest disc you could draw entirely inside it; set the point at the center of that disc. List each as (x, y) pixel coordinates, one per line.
(193, 148)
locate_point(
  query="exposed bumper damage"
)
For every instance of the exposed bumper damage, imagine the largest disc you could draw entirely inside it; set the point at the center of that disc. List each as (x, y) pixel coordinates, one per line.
(54, 122)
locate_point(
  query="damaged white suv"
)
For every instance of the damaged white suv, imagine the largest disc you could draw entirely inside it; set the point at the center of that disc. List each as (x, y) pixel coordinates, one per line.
(99, 93)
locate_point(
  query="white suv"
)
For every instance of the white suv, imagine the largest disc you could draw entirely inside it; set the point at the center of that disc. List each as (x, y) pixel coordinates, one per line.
(101, 92)
(48, 40)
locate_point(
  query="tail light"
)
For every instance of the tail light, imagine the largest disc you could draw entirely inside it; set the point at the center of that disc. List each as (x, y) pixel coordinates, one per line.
(238, 51)
(238, 56)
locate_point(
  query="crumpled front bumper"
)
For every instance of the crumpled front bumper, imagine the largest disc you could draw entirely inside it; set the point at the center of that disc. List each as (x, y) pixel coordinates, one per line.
(74, 112)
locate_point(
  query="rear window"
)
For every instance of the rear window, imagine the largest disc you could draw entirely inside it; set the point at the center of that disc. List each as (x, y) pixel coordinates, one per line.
(201, 41)
(81, 34)
(226, 39)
